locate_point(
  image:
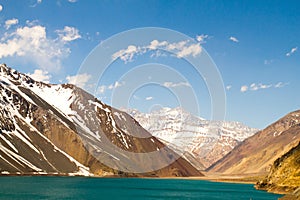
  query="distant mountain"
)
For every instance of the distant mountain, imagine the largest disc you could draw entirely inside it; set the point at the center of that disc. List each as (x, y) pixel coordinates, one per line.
(257, 154)
(285, 173)
(62, 130)
(201, 141)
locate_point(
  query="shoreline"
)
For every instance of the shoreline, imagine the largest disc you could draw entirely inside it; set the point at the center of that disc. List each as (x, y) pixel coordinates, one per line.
(208, 177)
(232, 178)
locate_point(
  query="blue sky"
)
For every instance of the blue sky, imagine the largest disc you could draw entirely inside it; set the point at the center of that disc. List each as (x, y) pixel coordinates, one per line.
(254, 45)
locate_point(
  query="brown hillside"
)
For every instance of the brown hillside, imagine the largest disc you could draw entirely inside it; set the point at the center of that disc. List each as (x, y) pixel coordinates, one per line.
(285, 173)
(256, 154)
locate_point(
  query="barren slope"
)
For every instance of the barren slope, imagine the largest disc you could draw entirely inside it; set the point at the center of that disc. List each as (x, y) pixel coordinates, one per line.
(257, 153)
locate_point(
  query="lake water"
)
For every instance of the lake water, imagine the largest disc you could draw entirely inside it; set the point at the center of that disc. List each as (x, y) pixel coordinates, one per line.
(124, 188)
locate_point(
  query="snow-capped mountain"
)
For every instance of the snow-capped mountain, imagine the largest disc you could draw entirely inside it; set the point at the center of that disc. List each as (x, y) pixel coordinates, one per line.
(207, 141)
(61, 129)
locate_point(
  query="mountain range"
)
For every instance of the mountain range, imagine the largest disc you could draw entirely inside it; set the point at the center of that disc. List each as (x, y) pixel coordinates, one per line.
(59, 129)
(202, 142)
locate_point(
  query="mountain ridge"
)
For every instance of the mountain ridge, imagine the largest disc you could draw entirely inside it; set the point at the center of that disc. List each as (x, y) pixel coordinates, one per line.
(256, 154)
(40, 122)
(206, 141)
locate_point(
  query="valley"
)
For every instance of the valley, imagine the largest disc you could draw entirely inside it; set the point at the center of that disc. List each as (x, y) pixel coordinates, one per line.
(75, 134)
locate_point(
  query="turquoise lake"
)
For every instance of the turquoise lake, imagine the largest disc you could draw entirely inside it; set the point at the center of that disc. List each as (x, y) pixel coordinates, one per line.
(125, 188)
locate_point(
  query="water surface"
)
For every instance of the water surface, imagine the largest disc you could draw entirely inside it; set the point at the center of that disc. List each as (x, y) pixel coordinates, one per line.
(125, 188)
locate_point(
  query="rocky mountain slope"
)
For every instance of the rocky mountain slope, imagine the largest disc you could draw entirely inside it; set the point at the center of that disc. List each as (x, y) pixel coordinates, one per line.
(61, 129)
(256, 154)
(285, 173)
(203, 142)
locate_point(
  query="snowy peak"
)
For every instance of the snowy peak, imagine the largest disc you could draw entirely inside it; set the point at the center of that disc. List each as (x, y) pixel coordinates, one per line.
(207, 141)
(16, 77)
(18, 81)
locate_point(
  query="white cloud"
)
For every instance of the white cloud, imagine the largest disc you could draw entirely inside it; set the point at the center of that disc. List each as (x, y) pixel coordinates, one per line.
(72, 1)
(68, 34)
(40, 75)
(228, 87)
(201, 38)
(180, 49)
(79, 80)
(103, 88)
(37, 3)
(280, 85)
(1, 7)
(115, 85)
(10, 22)
(148, 98)
(260, 86)
(193, 49)
(155, 44)
(244, 88)
(32, 43)
(176, 45)
(234, 39)
(126, 54)
(293, 50)
(171, 84)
